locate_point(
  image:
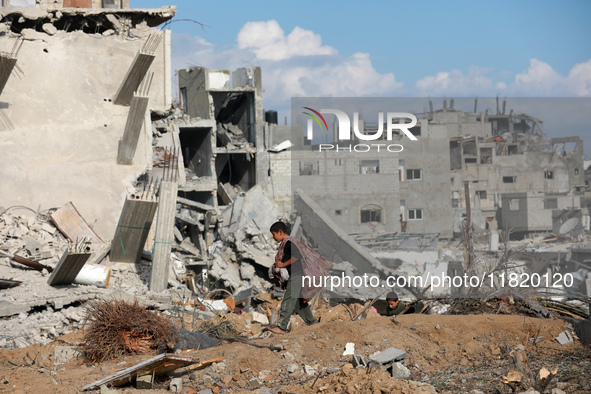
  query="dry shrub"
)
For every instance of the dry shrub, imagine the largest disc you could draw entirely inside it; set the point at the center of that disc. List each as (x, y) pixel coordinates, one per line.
(115, 328)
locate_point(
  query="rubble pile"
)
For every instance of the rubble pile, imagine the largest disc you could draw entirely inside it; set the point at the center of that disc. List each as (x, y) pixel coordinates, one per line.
(36, 312)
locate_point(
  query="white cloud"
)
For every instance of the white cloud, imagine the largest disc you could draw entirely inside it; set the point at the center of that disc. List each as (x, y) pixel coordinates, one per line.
(539, 79)
(298, 64)
(454, 82)
(267, 41)
(293, 65)
(579, 79)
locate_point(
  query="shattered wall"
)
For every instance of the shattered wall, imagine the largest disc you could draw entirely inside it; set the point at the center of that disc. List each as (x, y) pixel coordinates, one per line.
(63, 146)
(534, 211)
(368, 192)
(83, 3)
(233, 101)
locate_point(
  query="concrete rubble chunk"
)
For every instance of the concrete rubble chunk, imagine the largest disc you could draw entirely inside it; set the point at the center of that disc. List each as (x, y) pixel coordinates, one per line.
(399, 371)
(49, 29)
(176, 385)
(63, 354)
(288, 356)
(349, 349)
(291, 368)
(565, 338)
(390, 355)
(259, 318)
(359, 361)
(309, 370)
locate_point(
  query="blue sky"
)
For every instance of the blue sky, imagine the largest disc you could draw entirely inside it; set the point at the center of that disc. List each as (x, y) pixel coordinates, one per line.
(392, 48)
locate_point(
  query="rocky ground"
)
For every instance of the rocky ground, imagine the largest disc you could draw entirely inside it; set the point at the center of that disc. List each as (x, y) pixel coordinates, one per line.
(446, 354)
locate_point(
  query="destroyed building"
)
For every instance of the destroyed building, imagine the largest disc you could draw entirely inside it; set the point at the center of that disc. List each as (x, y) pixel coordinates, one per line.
(233, 149)
(374, 191)
(495, 155)
(62, 141)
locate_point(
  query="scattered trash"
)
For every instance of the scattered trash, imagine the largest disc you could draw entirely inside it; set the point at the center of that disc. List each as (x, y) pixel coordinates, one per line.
(349, 349)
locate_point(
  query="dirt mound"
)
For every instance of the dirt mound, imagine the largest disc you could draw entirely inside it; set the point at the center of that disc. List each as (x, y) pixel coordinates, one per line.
(454, 354)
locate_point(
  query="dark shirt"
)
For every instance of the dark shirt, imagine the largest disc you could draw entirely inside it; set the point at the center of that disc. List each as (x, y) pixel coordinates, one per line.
(289, 251)
(396, 311)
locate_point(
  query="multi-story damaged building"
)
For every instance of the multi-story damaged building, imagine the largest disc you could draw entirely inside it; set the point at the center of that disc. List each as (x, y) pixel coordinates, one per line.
(80, 83)
(223, 142)
(459, 156)
(373, 191)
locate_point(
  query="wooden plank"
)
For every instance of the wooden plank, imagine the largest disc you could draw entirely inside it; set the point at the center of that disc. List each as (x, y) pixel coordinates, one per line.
(159, 365)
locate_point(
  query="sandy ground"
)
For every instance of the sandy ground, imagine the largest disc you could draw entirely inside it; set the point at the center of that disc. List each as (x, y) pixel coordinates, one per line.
(451, 354)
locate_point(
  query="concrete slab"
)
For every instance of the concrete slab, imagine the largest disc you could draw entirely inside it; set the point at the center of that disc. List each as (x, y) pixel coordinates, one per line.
(390, 355)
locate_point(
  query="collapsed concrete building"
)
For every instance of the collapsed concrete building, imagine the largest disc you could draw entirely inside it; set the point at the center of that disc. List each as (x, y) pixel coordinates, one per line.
(61, 130)
(233, 149)
(495, 155)
(182, 196)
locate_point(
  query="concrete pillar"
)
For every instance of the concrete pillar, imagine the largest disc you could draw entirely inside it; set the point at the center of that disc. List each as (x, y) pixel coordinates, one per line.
(133, 128)
(133, 228)
(5, 3)
(138, 70)
(163, 237)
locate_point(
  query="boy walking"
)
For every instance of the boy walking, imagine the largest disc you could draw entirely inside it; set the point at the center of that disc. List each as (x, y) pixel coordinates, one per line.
(299, 260)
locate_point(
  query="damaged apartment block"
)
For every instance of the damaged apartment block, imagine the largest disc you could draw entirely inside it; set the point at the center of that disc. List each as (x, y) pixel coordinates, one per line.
(237, 154)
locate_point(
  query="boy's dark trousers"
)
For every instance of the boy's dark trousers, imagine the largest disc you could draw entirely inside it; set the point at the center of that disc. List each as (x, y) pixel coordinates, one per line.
(292, 301)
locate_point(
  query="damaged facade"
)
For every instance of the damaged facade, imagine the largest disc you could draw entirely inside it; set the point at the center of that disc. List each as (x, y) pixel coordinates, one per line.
(179, 198)
(63, 139)
(497, 155)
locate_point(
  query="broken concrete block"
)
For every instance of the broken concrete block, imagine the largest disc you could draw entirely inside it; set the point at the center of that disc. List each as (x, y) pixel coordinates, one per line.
(106, 390)
(291, 368)
(49, 29)
(565, 338)
(259, 318)
(144, 382)
(399, 371)
(390, 355)
(63, 354)
(359, 361)
(176, 385)
(288, 356)
(247, 271)
(309, 370)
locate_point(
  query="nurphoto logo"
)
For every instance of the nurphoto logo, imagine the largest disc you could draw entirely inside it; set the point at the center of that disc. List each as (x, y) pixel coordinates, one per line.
(344, 129)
